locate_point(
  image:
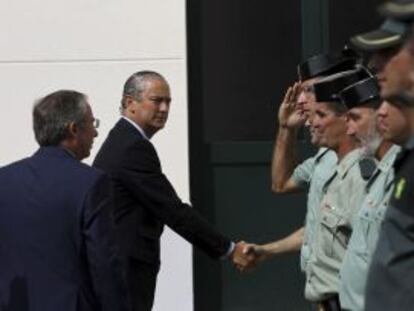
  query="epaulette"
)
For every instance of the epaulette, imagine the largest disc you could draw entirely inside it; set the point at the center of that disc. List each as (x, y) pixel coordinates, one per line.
(367, 167)
(321, 155)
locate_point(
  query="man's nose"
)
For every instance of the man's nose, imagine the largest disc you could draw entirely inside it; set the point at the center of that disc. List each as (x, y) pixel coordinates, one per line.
(164, 106)
(382, 110)
(301, 98)
(350, 130)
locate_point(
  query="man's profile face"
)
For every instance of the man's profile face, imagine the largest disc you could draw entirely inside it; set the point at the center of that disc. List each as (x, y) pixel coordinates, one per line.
(393, 123)
(151, 112)
(362, 126)
(397, 73)
(315, 137)
(378, 61)
(307, 106)
(86, 135)
(306, 96)
(330, 126)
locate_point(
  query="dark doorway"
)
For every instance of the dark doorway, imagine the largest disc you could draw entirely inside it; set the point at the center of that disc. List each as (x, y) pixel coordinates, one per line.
(242, 55)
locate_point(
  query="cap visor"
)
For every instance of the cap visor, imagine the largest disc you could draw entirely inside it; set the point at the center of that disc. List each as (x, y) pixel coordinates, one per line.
(398, 11)
(376, 40)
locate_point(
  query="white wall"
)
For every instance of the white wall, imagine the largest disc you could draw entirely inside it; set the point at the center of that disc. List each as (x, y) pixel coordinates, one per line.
(93, 46)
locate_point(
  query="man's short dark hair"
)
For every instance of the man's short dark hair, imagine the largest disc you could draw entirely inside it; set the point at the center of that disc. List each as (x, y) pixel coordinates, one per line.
(135, 85)
(53, 113)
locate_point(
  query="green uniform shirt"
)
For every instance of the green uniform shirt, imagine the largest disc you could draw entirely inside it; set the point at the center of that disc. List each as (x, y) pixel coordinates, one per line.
(344, 192)
(313, 173)
(365, 233)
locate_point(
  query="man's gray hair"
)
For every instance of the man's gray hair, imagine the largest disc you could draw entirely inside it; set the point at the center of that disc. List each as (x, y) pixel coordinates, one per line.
(53, 113)
(136, 84)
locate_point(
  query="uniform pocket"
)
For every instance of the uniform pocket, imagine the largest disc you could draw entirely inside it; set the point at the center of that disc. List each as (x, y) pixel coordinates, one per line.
(335, 233)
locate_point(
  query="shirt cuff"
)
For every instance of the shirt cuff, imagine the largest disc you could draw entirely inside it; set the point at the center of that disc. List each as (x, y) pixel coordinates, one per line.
(229, 251)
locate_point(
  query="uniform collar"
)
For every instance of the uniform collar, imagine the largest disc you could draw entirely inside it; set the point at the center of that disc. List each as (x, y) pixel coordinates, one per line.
(348, 162)
(321, 153)
(384, 166)
(410, 143)
(343, 167)
(388, 160)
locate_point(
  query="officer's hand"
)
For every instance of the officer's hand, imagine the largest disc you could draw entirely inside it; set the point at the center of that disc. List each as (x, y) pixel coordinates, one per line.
(243, 260)
(290, 115)
(256, 253)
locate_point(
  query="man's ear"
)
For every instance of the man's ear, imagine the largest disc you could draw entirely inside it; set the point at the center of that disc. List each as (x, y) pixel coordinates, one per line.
(129, 103)
(72, 130)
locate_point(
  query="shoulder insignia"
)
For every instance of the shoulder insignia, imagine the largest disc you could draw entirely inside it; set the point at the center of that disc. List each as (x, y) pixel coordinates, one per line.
(367, 167)
(399, 188)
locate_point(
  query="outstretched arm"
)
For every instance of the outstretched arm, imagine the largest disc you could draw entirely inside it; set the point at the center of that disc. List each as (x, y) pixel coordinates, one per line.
(291, 243)
(259, 253)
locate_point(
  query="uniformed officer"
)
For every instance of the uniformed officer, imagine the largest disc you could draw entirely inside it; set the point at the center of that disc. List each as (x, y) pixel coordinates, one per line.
(379, 46)
(389, 284)
(390, 279)
(343, 192)
(362, 99)
(400, 67)
(295, 110)
(311, 174)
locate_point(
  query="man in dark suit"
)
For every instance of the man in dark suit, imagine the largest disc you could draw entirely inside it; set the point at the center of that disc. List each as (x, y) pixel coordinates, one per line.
(144, 198)
(56, 229)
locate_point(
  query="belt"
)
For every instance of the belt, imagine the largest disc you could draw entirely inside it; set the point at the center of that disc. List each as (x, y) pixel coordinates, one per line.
(329, 304)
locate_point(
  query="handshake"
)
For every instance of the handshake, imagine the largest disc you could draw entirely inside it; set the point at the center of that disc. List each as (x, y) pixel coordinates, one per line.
(246, 256)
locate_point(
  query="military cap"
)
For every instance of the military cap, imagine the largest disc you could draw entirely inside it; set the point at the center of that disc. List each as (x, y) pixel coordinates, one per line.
(328, 64)
(390, 34)
(361, 93)
(401, 100)
(328, 89)
(402, 10)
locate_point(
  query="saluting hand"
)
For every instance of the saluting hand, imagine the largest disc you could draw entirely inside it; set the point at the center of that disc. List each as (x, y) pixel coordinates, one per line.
(290, 115)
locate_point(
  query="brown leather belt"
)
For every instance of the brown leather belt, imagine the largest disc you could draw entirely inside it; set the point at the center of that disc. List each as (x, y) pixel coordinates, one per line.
(329, 304)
